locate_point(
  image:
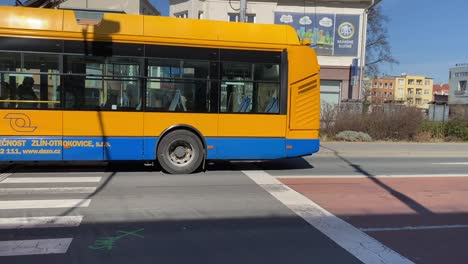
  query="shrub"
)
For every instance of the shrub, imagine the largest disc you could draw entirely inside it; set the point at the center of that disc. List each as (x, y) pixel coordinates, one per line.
(353, 136)
(423, 136)
(457, 128)
(399, 123)
(435, 129)
(327, 119)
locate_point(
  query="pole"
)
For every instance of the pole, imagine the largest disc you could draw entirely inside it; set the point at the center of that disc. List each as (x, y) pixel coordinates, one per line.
(363, 49)
(243, 8)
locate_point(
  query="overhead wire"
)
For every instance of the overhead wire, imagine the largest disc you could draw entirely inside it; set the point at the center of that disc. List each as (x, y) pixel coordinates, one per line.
(235, 9)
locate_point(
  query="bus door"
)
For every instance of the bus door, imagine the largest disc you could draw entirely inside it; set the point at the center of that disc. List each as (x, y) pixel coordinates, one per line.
(250, 125)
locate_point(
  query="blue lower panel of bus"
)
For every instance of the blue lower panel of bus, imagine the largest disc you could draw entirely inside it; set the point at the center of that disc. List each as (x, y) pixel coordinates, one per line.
(71, 148)
(261, 148)
(301, 147)
(30, 148)
(103, 148)
(139, 148)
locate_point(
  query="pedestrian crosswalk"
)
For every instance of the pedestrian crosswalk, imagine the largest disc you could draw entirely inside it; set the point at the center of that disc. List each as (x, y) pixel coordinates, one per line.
(22, 196)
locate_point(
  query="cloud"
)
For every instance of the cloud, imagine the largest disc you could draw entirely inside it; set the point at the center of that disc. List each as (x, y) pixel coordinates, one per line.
(326, 22)
(305, 20)
(286, 19)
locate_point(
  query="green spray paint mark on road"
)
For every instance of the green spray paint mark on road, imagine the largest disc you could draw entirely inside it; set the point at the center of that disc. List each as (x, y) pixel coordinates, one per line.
(107, 243)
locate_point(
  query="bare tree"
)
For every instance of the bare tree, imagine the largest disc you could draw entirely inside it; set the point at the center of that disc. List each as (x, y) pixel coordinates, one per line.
(378, 45)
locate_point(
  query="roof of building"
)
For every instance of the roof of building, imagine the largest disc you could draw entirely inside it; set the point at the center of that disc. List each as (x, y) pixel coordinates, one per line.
(441, 87)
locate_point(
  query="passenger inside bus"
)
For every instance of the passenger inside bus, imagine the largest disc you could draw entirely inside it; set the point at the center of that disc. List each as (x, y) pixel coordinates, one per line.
(26, 92)
(4, 94)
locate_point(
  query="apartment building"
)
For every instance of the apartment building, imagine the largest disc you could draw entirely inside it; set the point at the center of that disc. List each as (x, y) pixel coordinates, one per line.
(458, 93)
(414, 90)
(382, 90)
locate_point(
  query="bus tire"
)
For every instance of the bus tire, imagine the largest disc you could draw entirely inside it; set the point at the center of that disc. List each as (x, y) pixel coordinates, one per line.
(180, 152)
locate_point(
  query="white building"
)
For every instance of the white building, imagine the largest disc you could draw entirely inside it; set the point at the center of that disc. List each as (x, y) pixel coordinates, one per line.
(335, 27)
(142, 7)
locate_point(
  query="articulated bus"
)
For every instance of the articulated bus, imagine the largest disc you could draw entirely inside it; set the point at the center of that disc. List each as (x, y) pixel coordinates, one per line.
(133, 87)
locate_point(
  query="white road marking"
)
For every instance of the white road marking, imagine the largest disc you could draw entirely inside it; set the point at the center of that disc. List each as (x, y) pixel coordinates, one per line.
(410, 228)
(52, 190)
(4, 175)
(34, 247)
(34, 204)
(40, 222)
(450, 163)
(376, 176)
(51, 179)
(362, 246)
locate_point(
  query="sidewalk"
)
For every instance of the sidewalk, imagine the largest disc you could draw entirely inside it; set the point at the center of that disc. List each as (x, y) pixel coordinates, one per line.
(393, 149)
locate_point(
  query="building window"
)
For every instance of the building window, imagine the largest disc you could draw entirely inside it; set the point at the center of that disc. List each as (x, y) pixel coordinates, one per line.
(234, 17)
(461, 74)
(462, 86)
(401, 81)
(375, 84)
(427, 82)
(183, 14)
(381, 85)
(426, 92)
(391, 93)
(418, 101)
(419, 82)
(400, 90)
(386, 85)
(410, 81)
(391, 85)
(418, 91)
(201, 15)
(426, 101)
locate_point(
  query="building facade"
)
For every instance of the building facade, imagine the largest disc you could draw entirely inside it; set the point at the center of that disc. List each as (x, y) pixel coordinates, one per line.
(458, 81)
(141, 7)
(458, 94)
(441, 89)
(414, 90)
(336, 30)
(440, 92)
(383, 90)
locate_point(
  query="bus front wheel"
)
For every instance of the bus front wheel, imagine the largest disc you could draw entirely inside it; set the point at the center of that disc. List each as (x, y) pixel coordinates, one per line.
(180, 152)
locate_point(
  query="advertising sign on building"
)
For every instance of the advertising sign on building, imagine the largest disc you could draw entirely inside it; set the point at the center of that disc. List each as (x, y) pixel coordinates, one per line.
(330, 34)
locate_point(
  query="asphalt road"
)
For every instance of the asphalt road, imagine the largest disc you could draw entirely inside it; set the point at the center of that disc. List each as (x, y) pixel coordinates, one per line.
(124, 213)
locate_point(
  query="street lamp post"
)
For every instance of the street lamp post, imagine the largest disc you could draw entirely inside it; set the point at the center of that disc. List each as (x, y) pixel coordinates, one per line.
(243, 7)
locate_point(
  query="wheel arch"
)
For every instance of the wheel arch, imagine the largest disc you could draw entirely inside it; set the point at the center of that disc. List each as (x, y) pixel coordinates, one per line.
(184, 127)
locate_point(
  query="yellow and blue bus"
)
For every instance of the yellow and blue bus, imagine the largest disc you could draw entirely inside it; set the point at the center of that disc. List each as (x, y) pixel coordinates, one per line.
(133, 87)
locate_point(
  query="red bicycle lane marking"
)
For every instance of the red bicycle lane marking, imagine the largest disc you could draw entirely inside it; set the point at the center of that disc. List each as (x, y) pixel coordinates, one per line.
(400, 202)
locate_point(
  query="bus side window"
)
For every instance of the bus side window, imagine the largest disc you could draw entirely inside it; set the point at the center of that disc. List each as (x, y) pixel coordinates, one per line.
(26, 93)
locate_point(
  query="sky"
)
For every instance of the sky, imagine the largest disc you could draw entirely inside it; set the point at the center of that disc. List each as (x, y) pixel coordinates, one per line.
(427, 36)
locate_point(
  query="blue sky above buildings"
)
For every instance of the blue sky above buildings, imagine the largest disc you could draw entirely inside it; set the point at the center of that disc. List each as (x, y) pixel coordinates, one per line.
(427, 36)
(161, 5)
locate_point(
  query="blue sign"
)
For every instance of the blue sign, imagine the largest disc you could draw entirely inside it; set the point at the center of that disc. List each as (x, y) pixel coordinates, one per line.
(330, 34)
